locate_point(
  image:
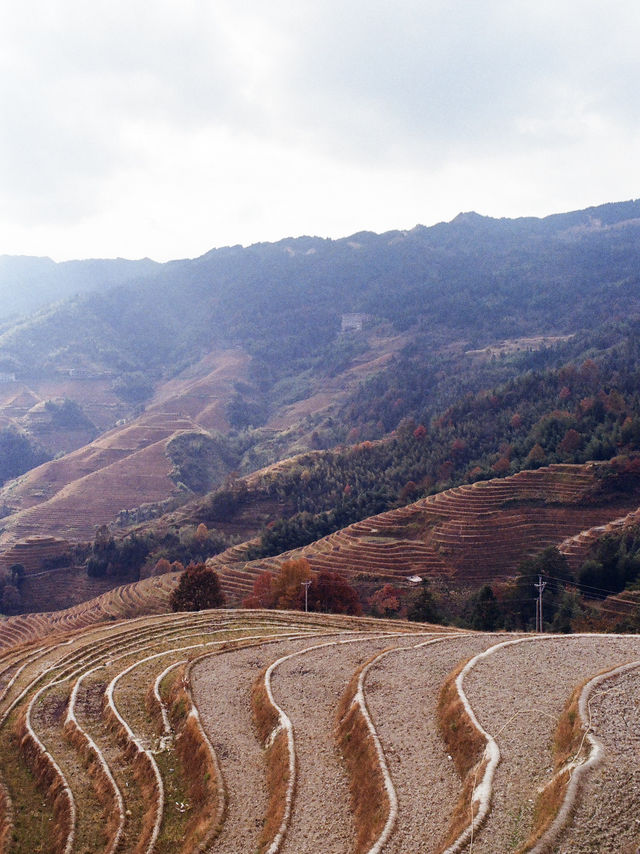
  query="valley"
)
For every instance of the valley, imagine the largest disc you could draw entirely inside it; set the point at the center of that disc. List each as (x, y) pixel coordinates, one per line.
(255, 392)
(433, 424)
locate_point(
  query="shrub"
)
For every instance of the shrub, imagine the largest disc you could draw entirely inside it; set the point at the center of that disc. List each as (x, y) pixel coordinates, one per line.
(386, 601)
(423, 607)
(331, 593)
(198, 589)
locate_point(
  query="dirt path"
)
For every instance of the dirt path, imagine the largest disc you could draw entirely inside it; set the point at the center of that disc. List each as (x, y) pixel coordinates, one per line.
(517, 695)
(402, 693)
(608, 814)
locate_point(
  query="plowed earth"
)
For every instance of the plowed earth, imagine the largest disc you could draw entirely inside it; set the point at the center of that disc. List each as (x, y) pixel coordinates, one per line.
(516, 687)
(608, 817)
(518, 694)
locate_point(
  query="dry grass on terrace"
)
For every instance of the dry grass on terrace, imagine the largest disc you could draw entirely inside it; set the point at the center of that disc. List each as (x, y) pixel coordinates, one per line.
(171, 783)
(471, 532)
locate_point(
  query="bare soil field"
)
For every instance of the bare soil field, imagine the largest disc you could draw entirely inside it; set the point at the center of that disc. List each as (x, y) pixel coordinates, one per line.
(229, 731)
(402, 693)
(608, 815)
(516, 693)
(126, 466)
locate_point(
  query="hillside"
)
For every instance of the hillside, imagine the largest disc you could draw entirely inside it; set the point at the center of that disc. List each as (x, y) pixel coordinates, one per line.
(233, 731)
(458, 540)
(28, 284)
(448, 418)
(125, 467)
(463, 537)
(134, 464)
(475, 279)
(385, 368)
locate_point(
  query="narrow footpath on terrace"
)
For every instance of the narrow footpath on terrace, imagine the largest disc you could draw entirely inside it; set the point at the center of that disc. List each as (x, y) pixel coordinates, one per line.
(402, 692)
(608, 813)
(518, 693)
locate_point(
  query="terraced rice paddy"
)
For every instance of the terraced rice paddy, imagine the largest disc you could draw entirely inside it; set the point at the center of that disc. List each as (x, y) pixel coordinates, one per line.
(471, 532)
(248, 731)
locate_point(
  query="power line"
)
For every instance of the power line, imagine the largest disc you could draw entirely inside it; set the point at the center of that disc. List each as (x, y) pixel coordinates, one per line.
(568, 582)
(540, 585)
(614, 612)
(306, 584)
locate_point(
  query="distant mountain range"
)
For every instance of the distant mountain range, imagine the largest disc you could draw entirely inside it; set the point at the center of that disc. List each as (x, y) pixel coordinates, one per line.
(506, 344)
(27, 284)
(475, 277)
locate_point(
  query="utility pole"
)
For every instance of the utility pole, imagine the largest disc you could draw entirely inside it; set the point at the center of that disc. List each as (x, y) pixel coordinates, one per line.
(540, 585)
(305, 584)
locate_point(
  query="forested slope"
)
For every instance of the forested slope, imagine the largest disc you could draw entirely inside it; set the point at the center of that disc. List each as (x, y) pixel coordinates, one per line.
(482, 347)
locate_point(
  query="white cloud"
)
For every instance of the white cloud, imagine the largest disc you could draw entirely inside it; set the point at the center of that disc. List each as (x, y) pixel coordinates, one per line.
(167, 128)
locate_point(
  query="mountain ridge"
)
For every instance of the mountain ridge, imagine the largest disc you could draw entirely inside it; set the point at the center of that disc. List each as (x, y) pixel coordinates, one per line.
(510, 343)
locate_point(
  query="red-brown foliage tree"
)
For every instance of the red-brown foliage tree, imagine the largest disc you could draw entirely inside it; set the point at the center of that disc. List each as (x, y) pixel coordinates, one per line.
(353, 435)
(410, 488)
(286, 587)
(586, 405)
(262, 595)
(162, 566)
(536, 454)
(330, 592)
(458, 447)
(198, 589)
(501, 466)
(445, 470)
(385, 602)
(283, 590)
(571, 442)
(614, 402)
(590, 373)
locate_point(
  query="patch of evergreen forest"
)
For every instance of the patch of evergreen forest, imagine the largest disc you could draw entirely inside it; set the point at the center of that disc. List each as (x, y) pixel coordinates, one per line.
(588, 408)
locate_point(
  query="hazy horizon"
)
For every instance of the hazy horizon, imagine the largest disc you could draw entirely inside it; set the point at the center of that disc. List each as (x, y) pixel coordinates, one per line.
(164, 131)
(121, 257)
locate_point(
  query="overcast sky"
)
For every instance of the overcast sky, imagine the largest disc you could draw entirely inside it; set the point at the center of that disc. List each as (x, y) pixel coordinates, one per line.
(166, 128)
